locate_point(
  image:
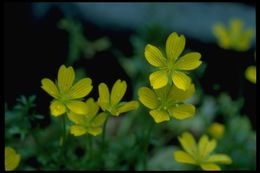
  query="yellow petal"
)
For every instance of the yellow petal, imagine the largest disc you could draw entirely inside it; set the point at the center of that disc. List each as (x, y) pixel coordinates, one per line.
(205, 146)
(81, 88)
(188, 143)
(182, 111)
(118, 91)
(77, 130)
(100, 119)
(154, 56)
(216, 130)
(93, 108)
(222, 35)
(220, 158)
(103, 99)
(57, 108)
(183, 157)
(49, 87)
(189, 61)
(95, 131)
(158, 79)
(66, 78)
(159, 115)
(12, 159)
(76, 118)
(148, 97)
(177, 95)
(210, 167)
(132, 105)
(174, 46)
(181, 80)
(251, 74)
(77, 107)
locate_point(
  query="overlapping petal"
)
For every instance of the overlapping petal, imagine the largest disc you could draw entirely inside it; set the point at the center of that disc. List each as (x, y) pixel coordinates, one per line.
(148, 97)
(81, 88)
(183, 157)
(57, 108)
(78, 130)
(182, 111)
(77, 107)
(159, 115)
(158, 79)
(181, 80)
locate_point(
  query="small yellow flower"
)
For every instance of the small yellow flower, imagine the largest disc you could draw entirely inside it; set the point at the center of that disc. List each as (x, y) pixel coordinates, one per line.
(216, 130)
(66, 95)
(111, 103)
(233, 37)
(89, 123)
(201, 153)
(173, 68)
(167, 102)
(250, 74)
(12, 159)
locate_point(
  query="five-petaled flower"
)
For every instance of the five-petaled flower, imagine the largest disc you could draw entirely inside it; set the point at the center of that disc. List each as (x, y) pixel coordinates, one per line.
(201, 153)
(67, 97)
(173, 68)
(167, 102)
(12, 159)
(88, 123)
(111, 102)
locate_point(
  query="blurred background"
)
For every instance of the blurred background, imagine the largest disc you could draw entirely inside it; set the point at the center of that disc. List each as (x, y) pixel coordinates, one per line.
(105, 41)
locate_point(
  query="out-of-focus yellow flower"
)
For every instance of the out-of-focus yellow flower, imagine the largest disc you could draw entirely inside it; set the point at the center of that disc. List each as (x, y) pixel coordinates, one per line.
(216, 130)
(250, 74)
(111, 102)
(173, 68)
(167, 102)
(233, 37)
(201, 153)
(12, 159)
(66, 95)
(89, 123)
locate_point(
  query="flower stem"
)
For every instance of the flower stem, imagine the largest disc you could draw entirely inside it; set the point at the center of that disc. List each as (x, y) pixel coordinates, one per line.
(104, 145)
(146, 144)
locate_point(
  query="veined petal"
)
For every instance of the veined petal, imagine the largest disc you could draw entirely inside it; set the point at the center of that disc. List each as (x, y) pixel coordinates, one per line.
(210, 167)
(118, 91)
(77, 130)
(181, 80)
(158, 79)
(159, 115)
(95, 131)
(182, 111)
(188, 143)
(189, 61)
(77, 107)
(154, 56)
(220, 158)
(81, 88)
(12, 159)
(205, 146)
(183, 157)
(93, 108)
(57, 108)
(148, 97)
(76, 118)
(103, 99)
(132, 105)
(66, 78)
(174, 46)
(100, 119)
(177, 95)
(251, 74)
(49, 87)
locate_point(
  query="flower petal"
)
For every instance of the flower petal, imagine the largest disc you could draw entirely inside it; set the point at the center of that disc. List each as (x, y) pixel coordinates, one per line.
(174, 46)
(158, 79)
(81, 88)
(188, 143)
(49, 87)
(205, 146)
(250, 74)
(95, 131)
(220, 158)
(118, 91)
(182, 111)
(103, 99)
(93, 108)
(159, 115)
(148, 97)
(66, 78)
(100, 119)
(132, 105)
(222, 35)
(216, 130)
(77, 130)
(181, 80)
(77, 107)
(12, 159)
(76, 118)
(177, 95)
(154, 56)
(183, 157)
(57, 108)
(210, 167)
(189, 61)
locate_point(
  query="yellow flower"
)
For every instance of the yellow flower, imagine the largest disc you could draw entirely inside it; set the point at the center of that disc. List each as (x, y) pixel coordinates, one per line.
(216, 130)
(167, 102)
(111, 103)
(88, 123)
(250, 74)
(66, 95)
(233, 37)
(201, 153)
(173, 68)
(12, 159)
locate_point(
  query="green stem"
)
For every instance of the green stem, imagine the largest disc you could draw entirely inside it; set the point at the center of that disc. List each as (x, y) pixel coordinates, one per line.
(104, 145)
(63, 124)
(146, 145)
